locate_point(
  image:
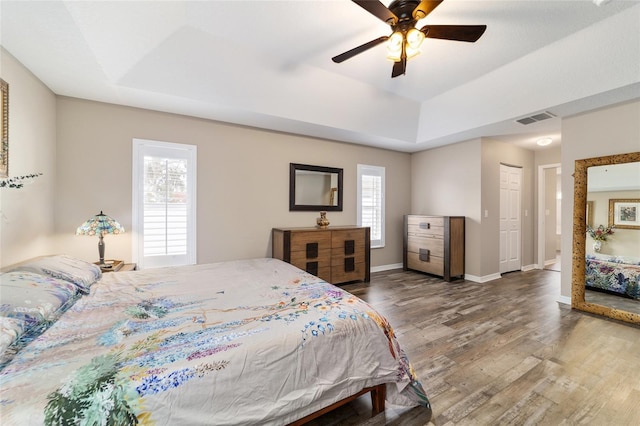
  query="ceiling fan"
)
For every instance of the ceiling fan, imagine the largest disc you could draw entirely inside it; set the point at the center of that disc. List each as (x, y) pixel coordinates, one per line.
(405, 38)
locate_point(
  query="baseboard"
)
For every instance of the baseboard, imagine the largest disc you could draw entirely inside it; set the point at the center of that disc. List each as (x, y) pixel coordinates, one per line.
(529, 267)
(483, 279)
(382, 268)
(564, 299)
(549, 262)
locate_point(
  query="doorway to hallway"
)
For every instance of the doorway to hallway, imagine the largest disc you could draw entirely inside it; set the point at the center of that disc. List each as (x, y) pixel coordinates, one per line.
(549, 216)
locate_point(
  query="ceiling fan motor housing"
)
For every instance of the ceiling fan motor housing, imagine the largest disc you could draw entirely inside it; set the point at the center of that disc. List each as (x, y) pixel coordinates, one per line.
(404, 10)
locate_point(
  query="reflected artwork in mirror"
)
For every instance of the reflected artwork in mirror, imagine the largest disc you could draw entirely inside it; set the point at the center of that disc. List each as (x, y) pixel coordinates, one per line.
(606, 256)
(314, 188)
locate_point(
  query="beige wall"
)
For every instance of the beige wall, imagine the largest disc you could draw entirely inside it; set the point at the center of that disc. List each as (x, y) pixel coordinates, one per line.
(493, 154)
(26, 214)
(84, 150)
(243, 180)
(464, 179)
(445, 181)
(613, 130)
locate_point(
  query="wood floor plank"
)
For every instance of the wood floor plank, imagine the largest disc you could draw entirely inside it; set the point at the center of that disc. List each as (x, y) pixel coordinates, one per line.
(502, 352)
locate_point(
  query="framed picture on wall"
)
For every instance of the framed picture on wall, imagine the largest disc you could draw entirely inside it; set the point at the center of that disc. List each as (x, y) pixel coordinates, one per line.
(4, 130)
(624, 213)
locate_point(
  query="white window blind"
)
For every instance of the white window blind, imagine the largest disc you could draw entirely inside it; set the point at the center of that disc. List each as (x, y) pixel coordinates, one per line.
(371, 201)
(164, 203)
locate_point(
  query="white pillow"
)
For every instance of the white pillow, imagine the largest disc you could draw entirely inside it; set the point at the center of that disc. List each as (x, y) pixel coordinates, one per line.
(79, 272)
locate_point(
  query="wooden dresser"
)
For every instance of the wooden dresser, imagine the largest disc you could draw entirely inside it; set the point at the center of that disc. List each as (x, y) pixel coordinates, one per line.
(336, 254)
(435, 245)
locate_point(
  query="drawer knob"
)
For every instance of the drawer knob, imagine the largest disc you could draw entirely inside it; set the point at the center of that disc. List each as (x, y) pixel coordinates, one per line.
(349, 247)
(312, 250)
(349, 264)
(312, 268)
(425, 225)
(424, 254)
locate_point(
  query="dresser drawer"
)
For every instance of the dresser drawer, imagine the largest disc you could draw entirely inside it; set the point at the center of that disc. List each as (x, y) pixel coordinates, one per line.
(322, 256)
(425, 221)
(314, 267)
(337, 259)
(303, 241)
(348, 272)
(348, 242)
(429, 264)
(425, 225)
(433, 244)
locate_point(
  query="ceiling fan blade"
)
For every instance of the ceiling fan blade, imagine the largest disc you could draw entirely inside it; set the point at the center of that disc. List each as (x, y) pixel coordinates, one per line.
(356, 50)
(470, 33)
(378, 10)
(400, 67)
(425, 7)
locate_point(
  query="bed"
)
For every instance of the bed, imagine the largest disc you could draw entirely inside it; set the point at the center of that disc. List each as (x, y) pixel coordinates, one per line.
(244, 342)
(613, 274)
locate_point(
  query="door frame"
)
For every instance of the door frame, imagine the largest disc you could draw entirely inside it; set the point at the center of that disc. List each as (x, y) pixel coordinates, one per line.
(541, 210)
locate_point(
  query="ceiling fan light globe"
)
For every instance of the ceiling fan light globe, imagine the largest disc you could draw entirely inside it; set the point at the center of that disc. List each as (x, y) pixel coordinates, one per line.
(412, 52)
(415, 38)
(393, 56)
(394, 45)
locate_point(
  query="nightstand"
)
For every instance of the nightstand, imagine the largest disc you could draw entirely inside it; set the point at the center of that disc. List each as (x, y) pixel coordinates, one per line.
(127, 267)
(117, 266)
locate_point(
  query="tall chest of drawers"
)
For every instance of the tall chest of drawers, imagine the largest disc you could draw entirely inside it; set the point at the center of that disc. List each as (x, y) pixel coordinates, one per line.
(338, 254)
(435, 245)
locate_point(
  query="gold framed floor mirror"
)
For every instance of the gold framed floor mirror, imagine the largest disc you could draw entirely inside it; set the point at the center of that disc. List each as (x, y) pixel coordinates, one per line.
(596, 181)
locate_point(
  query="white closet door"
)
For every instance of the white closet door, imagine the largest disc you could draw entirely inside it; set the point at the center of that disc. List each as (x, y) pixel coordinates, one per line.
(510, 218)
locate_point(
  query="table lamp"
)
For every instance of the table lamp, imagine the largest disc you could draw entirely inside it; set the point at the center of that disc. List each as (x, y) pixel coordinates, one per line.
(100, 225)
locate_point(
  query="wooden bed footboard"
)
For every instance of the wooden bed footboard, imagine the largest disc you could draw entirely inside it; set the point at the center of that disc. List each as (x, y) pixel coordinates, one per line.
(378, 394)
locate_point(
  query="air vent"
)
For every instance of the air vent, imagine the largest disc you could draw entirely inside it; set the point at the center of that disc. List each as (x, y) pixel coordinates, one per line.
(535, 118)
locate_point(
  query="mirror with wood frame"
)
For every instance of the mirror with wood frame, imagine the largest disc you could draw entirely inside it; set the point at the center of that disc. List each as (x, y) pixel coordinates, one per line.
(606, 264)
(314, 188)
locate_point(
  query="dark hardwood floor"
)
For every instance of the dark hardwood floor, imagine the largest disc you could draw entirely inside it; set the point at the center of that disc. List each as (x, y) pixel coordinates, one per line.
(502, 353)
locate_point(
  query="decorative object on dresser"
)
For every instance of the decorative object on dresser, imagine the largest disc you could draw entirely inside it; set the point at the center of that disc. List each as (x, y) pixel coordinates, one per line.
(337, 255)
(100, 225)
(322, 221)
(435, 245)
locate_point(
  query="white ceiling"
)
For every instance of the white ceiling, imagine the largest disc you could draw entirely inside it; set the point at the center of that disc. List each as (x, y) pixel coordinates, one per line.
(268, 64)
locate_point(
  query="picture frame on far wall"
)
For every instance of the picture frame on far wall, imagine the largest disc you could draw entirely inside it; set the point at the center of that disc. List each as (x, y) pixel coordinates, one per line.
(624, 213)
(590, 213)
(4, 130)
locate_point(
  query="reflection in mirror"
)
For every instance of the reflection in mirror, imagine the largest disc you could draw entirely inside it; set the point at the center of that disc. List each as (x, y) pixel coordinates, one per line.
(314, 188)
(606, 258)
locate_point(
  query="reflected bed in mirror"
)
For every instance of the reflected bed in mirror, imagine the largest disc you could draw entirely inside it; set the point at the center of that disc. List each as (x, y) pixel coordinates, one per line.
(606, 265)
(314, 188)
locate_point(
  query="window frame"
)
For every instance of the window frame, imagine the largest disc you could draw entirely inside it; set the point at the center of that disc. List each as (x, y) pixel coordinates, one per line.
(369, 170)
(145, 147)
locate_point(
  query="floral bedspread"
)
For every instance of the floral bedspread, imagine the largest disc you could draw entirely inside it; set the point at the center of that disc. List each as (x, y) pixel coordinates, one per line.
(244, 342)
(614, 275)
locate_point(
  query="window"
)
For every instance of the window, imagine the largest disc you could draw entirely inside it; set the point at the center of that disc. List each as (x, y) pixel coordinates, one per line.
(164, 201)
(371, 201)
